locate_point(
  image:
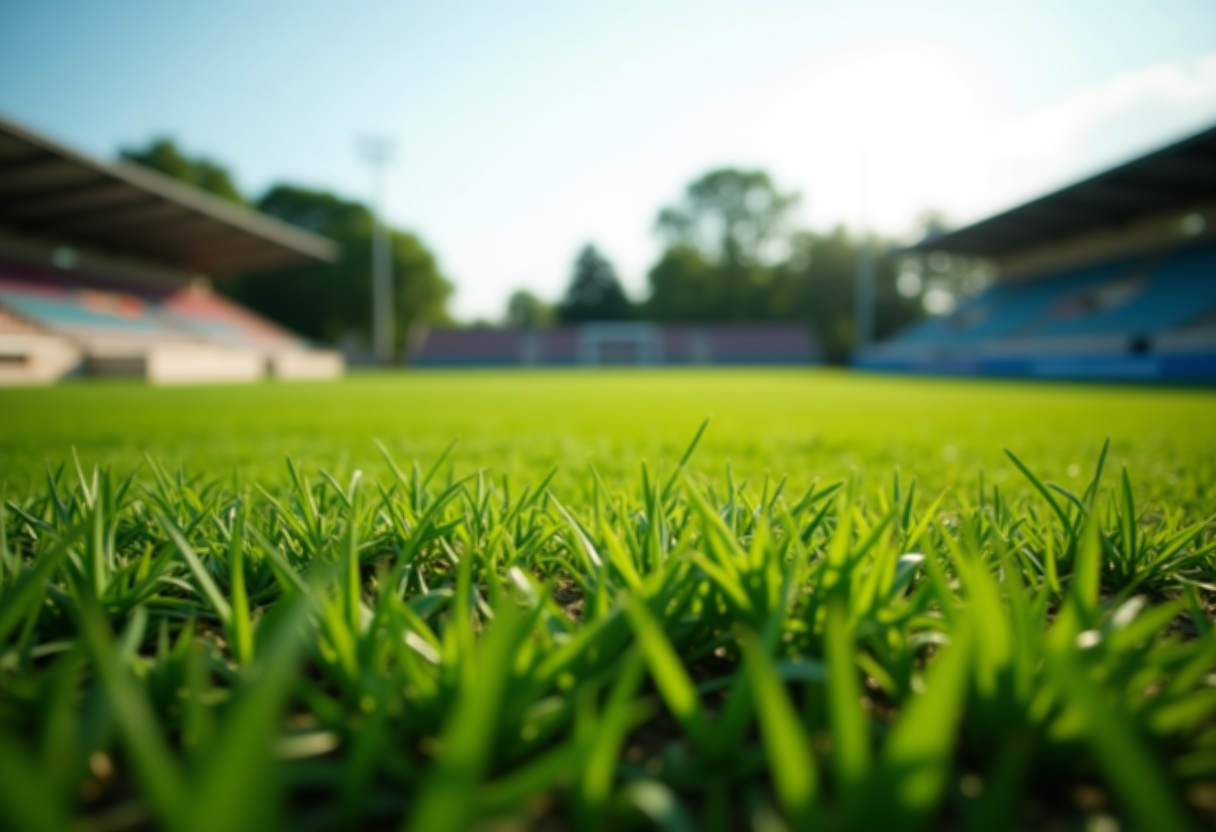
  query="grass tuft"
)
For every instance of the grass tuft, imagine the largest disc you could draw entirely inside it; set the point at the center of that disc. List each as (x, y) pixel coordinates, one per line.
(432, 647)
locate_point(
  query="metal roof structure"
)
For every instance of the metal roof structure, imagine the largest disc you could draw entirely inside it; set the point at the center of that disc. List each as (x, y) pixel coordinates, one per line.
(49, 190)
(1174, 177)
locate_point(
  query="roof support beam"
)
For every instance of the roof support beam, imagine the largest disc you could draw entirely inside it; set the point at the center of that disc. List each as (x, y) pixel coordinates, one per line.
(1173, 178)
(70, 202)
(52, 191)
(39, 174)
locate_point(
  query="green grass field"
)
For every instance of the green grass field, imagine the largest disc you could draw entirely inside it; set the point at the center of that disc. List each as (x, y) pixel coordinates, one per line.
(846, 608)
(796, 423)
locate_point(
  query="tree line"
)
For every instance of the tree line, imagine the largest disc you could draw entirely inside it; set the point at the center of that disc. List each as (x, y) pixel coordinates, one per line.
(326, 302)
(732, 253)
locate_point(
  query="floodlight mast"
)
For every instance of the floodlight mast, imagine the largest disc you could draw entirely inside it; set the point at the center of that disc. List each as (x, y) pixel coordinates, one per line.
(378, 152)
(864, 285)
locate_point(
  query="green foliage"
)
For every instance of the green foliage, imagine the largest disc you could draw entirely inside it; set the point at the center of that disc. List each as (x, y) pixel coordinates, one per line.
(806, 423)
(442, 649)
(328, 301)
(527, 311)
(684, 288)
(731, 216)
(723, 239)
(734, 254)
(322, 301)
(163, 156)
(595, 292)
(822, 269)
(935, 275)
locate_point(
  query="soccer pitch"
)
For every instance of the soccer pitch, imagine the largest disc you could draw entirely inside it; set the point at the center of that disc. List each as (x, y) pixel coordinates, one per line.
(791, 423)
(840, 605)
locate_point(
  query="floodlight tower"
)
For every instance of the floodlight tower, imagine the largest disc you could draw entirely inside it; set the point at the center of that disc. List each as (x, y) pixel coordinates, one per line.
(378, 152)
(864, 285)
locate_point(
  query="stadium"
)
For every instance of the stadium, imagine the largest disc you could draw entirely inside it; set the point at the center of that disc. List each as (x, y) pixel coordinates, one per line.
(1113, 277)
(105, 270)
(591, 561)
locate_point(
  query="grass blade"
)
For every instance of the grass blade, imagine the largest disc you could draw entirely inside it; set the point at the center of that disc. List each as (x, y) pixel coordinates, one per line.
(785, 741)
(468, 739)
(669, 674)
(212, 592)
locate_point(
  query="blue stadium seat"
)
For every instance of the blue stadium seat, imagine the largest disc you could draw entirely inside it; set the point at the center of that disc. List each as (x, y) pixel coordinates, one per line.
(1129, 296)
(1163, 294)
(82, 304)
(71, 311)
(1009, 309)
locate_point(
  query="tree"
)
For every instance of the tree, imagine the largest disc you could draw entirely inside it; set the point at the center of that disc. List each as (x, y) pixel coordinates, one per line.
(735, 218)
(162, 155)
(822, 268)
(322, 301)
(595, 293)
(723, 239)
(684, 288)
(328, 301)
(733, 254)
(937, 279)
(526, 310)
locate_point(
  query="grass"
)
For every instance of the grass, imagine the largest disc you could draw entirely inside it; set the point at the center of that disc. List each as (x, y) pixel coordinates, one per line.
(693, 641)
(788, 422)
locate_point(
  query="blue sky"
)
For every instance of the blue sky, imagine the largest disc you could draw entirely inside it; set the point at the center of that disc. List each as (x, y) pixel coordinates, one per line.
(525, 129)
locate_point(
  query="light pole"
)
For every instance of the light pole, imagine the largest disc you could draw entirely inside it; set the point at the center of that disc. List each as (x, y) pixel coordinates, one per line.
(864, 286)
(378, 152)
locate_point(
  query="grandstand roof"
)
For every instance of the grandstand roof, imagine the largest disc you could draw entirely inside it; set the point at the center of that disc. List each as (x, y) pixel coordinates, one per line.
(50, 190)
(1178, 176)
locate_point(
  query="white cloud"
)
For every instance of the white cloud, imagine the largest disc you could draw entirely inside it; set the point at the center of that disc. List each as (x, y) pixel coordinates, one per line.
(1180, 89)
(933, 118)
(1089, 130)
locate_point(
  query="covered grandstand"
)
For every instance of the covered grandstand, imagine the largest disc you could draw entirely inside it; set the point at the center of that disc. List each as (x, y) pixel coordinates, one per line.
(1113, 277)
(106, 269)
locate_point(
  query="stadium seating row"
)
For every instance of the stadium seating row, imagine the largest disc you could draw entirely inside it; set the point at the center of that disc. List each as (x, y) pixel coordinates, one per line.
(623, 343)
(1152, 315)
(1145, 294)
(52, 323)
(96, 305)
